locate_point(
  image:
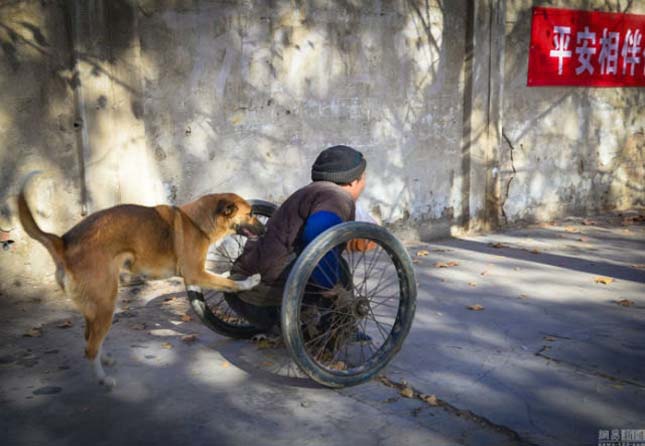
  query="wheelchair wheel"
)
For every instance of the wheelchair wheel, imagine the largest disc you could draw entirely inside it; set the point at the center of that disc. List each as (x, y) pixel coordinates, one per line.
(211, 306)
(345, 314)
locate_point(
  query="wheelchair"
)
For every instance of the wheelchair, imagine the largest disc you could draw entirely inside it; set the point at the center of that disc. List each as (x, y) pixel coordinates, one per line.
(339, 333)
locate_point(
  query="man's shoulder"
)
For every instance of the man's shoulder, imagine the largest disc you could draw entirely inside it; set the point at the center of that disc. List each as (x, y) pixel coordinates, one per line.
(325, 187)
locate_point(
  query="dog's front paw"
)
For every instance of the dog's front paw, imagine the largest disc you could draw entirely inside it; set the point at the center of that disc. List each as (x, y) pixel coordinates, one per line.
(249, 283)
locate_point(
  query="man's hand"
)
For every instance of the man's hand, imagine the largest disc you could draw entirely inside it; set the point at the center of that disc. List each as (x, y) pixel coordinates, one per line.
(360, 244)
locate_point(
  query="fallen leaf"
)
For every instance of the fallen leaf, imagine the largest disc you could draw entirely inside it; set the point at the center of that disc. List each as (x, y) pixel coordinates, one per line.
(475, 307)
(34, 332)
(550, 339)
(430, 399)
(407, 392)
(338, 365)
(571, 229)
(535, 251)
(588, 222)
(603, 280)
(583, 239)
(445, 264)
(265, 344)
(639, 266)
(423, 253)
(167, 345)
(226, 364)
(186, 317)
(472, 284)
(189, 339)
(65, 324)
(625, 302)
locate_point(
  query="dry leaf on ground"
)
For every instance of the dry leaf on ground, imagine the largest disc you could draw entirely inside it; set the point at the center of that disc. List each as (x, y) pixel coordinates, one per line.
(472, 284)
(34, 332)
(430, 399)
(186, 317)
(475, 307)
(189, 339)
(603, 280)
(423, 253)
(167, 345)
(65, 324)
(226, 364)
(445, 264)
(571, 229)
(589, 222)
(338, 365)
(407, 392)
(639, 266)
(625, 302)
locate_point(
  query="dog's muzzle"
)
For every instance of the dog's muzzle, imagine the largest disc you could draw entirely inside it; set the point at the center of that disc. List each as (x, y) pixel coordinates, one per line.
(251, 231)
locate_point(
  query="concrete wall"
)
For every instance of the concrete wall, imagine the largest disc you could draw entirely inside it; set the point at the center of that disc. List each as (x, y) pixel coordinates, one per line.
(567, 150)
(161, 101)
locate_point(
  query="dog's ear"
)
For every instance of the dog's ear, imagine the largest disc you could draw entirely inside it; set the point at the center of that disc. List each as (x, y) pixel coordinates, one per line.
(226, 208)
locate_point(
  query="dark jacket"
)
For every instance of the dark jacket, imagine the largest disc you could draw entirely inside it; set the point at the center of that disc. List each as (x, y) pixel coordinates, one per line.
(272, 255)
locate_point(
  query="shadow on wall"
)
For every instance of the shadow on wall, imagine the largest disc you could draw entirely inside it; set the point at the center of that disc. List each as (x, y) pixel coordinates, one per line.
(40, 117)
(251, 108)
(567, 150)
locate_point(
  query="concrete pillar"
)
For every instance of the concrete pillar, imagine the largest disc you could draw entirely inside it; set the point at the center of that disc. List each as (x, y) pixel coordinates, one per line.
(483, 113)
(116, 166)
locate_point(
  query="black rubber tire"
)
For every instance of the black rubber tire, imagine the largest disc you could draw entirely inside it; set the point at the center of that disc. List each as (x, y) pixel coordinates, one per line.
(242, 328)
(295, 290)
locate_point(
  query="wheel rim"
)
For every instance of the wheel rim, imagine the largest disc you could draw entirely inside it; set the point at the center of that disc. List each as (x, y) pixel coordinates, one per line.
(353, 327)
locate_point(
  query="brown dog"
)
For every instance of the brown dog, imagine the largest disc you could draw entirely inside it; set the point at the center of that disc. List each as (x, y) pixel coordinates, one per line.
(158, 242)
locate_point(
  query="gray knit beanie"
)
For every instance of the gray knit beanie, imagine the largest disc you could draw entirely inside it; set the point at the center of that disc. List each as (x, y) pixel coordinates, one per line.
(338, 164)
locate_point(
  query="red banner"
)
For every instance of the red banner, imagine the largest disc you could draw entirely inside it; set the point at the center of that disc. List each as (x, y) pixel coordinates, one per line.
(585, 48)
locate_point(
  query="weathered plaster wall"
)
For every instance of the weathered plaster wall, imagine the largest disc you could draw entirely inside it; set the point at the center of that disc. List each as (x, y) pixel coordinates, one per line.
(152, 101)
(242, 96)
(568, 150)
(37, 125)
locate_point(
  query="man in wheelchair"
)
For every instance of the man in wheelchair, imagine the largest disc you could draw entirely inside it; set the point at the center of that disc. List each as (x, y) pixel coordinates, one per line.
(338, 179)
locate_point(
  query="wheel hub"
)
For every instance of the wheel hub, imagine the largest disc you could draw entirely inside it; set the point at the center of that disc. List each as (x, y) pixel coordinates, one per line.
(362, 307)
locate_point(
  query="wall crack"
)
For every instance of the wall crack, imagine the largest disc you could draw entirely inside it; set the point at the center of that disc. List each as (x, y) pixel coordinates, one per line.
(433, 401)
(510, 180)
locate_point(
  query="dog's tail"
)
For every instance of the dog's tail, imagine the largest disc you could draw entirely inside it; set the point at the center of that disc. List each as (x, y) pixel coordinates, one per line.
(53, 243)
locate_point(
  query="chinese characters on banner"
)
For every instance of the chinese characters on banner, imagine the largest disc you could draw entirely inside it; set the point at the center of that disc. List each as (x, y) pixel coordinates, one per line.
(584, 48)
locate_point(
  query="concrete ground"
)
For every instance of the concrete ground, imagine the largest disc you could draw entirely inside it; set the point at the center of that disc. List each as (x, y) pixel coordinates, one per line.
(552, 356)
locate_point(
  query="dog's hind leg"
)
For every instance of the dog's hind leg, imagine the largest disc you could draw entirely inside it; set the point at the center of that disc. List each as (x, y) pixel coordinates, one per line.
(99, 301)
(98, 328)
